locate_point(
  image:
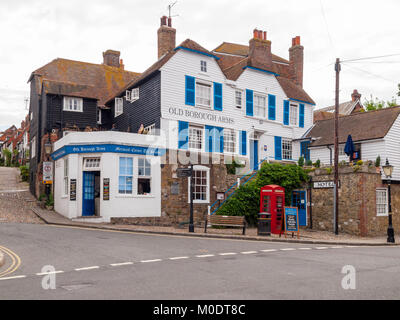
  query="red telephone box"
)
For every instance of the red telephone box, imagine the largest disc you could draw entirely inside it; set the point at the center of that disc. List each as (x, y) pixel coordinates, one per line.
(272, 201)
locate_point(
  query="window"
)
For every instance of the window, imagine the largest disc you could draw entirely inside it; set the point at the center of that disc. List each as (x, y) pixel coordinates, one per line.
(33, 148)
(341, 150)
(382, 207)
(125, 175)
(195, 138)
(135, 95)
(144, 179)
(119, 106)
(286, 149)
(294, 111)
(260, 106)
(66, 172)
(31, 116)
(238, 99)
(229, 141)
(73, 104)
(98, 116)
(150, 129)
(203, 66)
(203, 94)
(128, 95)
(201, 187)
(91, 164)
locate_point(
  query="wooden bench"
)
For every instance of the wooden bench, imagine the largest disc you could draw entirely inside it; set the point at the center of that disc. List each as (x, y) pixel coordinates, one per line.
(224, 221)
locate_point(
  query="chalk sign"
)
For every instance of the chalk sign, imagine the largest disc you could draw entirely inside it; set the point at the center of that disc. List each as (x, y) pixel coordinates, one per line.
(292, 221)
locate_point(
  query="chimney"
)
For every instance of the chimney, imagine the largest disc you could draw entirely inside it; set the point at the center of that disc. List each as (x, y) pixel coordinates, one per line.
(355, 96)
(296, 59)
(111, 58)
(166, 37)
(260, 54)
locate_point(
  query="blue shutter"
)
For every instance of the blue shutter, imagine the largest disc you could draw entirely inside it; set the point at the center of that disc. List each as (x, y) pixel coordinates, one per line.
(190, 96)
(217, 96)
(209, 132)
(243, 143)
(286, 113)
(278, 148)
(219, 140)
(183, 135)
(271, 107)
(249, 103)
(301, 125)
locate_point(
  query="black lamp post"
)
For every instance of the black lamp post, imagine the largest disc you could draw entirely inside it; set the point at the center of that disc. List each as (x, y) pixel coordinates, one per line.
(388, 171)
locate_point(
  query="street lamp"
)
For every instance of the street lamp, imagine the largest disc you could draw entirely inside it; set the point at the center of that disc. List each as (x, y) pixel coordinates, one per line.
(388, 171)
(48, 147)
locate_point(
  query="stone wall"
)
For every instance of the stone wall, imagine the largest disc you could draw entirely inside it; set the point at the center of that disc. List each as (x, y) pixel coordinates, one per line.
(357, 202)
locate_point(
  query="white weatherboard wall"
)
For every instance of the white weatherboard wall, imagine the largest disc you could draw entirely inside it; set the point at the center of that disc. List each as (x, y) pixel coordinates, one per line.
(173, 96)
(392, 143)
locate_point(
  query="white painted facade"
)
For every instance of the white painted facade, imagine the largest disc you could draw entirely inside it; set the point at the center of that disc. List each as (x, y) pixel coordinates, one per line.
(173, 98)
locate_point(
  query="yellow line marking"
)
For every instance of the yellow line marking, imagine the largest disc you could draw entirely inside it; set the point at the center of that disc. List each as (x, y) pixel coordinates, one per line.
(16, 261)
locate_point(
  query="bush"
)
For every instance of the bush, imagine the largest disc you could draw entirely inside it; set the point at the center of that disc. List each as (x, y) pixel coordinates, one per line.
(329, 171)
(378, 162)
(24, 173)
(309, 163)
(231, 168)
(317, 164)
(50, 201)
(246, 200)
(301, 162)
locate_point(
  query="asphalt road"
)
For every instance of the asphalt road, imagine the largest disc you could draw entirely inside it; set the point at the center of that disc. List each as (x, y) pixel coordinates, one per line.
(94, 264)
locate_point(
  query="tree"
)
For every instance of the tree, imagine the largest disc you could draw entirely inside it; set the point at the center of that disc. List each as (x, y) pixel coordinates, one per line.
(376, 104)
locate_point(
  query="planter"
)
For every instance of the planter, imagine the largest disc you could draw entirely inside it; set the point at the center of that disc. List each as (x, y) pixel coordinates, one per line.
(378, 169)
(50, 208)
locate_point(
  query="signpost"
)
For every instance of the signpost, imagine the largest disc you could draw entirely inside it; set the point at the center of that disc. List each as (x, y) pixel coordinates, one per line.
(188, 173)
(47, 172)
(291, 219)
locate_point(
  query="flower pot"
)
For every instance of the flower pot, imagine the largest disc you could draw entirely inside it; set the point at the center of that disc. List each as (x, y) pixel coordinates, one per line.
(50, 208)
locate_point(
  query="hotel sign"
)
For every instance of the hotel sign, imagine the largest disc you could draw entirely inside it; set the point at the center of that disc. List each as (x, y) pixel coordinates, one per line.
(200, 115)
(325, 185)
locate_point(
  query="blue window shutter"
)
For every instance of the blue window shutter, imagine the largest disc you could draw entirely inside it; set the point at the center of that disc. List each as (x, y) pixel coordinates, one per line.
(217, 96)
(286, 113)
(243, 143)
(301, 124)
(278, 148)
(271, 107)
(183, 135)
(220, 136)
(209, 132)
(190, 96)
(249, 103)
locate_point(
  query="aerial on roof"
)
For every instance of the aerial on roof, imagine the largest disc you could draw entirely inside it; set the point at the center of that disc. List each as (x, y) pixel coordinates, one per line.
(361, 126)
(99, 81)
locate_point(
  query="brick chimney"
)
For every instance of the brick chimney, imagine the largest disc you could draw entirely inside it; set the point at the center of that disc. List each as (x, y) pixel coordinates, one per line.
(355, 96)
(111, 58)
(296, 58)
(166, 37)
(260, 54)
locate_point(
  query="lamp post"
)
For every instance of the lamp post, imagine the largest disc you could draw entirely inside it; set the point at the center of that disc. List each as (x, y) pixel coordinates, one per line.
(388, 171)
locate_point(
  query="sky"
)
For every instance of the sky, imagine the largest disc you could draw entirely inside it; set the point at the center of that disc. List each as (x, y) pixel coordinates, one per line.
(36, 32)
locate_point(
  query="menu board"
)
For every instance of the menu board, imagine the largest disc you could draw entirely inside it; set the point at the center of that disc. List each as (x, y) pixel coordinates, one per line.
(292, 221)
(72, 188)
(106, 189)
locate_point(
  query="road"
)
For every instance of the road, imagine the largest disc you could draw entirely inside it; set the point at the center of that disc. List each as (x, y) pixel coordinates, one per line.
(95, 264)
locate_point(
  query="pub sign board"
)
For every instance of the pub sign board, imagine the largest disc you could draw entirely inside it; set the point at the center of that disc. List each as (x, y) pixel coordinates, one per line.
(72, 188)
(106, 189)
(292, 221)
(324, 184)
(184, 173)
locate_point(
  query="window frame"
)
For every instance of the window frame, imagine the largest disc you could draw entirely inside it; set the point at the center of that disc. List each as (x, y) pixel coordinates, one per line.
(203, 66)
(256, 107)
(199, 82)
(118, 107)
(70, 108)
(66, 177)
(296, 107)
(126, 175)
(98, 116)
(232, 134)
(385, 205)
(144, 176)
(201, 141)
(203, 169)
(284, 151)
(237, 105)
(33, 148)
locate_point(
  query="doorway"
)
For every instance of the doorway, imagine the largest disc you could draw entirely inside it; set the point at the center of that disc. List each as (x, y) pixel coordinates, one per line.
(254, 155)
(299, 201)
(91, 194)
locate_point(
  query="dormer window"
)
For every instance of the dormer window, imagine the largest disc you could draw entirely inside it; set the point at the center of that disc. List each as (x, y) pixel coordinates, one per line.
(73, 104)
(203, 66)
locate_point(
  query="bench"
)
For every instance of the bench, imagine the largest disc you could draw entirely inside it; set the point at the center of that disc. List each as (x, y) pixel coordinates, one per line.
(224, 221)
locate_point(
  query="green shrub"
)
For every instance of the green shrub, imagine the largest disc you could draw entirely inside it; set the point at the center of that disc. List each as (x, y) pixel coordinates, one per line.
(24, 173)
(42, 197)
(329, 171)
(50, 201)
(309, 163)
(356, 168)
(317, 164)
(246, 200)
(378, 162)
(231, 168)
(301, 162)
(360, 163)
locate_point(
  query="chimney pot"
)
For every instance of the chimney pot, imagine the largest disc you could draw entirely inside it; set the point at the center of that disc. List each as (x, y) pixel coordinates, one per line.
(163, 21)
(255, 33)
(265, 35)
(111, 58)
(170, 22)
(355, 96)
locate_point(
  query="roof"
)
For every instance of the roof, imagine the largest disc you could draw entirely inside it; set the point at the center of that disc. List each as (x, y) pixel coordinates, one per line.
(345, 108)
(293, 91)
(102, 81)
(361, 126)
(322, 115)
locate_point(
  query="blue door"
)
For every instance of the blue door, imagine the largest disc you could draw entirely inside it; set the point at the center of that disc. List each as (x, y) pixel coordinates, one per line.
(88, 205)
(305, 150)
(254, 154)
(299, 201)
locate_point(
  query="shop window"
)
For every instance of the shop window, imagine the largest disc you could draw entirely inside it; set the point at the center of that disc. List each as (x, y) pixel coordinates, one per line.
(66, 173)
(201, 188)
(382, 206)
(144, 179)
(125, 175)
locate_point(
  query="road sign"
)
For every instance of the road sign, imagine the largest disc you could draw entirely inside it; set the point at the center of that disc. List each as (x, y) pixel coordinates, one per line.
(47, 172)
(184, 173)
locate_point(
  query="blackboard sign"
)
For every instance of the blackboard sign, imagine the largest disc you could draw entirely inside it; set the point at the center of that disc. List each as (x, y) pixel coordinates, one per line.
(72, 188)
(184, 173)
(292, 221)
(106, 189)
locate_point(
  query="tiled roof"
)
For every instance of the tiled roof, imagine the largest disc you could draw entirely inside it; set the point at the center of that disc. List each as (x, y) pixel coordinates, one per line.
(361, 126)
(322, 115)
(345, 108)
(293, 91)
(101, 80)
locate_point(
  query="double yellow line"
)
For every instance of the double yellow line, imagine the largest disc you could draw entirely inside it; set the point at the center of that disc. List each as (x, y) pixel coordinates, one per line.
(16, 262)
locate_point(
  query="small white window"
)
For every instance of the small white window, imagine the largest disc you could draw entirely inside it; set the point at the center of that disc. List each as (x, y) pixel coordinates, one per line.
(91, 164)
(73, 104)
(98, 116)
(119, 106)
(287, 149)
(128, 95)
(203, 66)
(201, 187)
(33, 148)
(203, 94)
(196, 138)
(260, 106)
(150, 130)
(238, 99)
(135, 95)
(229, 141)
(341, 150)
(144, 177)
(66, 173)
(294, 114)
(31, 116)
(382, 204)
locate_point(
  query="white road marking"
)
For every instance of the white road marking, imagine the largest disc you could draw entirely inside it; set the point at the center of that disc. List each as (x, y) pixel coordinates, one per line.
(228, 254)
(48, 273)
(121, 264)
(321, 248)
(178, 258)
(288, 249)
(12, 278)
(337, 247)
(269, 250)
(206, 256)
(88, 268)
(151, 261)
(250, 252)
(305, 249)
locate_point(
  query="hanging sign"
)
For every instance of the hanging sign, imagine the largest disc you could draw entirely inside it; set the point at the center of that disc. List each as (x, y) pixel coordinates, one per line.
(292, 221)
(184, 173)
(72, 188)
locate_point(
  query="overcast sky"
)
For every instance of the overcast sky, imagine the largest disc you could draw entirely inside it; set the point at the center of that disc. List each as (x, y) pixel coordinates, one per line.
(37, 31)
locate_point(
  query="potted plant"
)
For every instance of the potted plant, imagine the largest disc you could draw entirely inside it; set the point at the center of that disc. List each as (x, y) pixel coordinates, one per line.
(50, 202)
(378, 164)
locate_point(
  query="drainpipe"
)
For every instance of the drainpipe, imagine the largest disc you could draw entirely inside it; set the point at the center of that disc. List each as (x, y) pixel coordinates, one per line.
(330, 151)
(311, 205)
